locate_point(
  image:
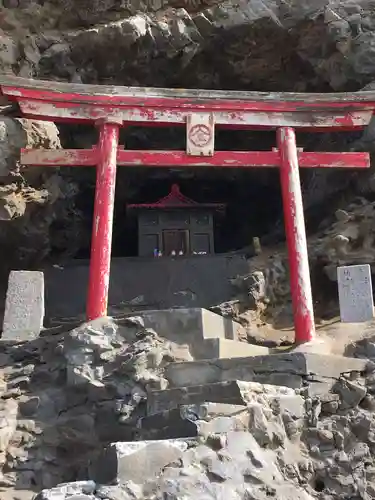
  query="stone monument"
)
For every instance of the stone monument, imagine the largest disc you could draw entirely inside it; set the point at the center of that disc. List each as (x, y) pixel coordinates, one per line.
(355, 293)
(24, 306)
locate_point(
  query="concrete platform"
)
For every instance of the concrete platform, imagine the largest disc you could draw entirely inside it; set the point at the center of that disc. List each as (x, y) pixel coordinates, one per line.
(295, 370)
(139, 283)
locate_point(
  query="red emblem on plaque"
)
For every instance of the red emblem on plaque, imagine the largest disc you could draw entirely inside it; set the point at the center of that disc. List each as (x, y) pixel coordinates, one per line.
(200, 135)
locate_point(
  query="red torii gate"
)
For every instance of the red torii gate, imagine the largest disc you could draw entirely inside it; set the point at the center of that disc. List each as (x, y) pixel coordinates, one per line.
(200, 111)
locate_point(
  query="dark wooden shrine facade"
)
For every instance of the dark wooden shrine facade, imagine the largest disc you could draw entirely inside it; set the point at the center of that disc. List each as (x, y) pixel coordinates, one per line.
(175, 226)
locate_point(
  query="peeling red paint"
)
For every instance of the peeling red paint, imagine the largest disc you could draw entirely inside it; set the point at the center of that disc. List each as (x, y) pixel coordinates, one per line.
(300, 284)
(70, 102)
(167, 159)
(101, 242)
(249, 117)
(15, 87)
(60, 157)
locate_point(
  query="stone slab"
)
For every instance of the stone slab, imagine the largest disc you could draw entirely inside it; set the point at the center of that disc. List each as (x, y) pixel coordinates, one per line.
(355, 293)
(234, 392)
(216, 418)
(225, 348)
(213, 323)
(168, 424)
(193, 420)
(24, 306)
(293, 404)
(317, 346)
(191, 321)
(134, 461)
(287, 369)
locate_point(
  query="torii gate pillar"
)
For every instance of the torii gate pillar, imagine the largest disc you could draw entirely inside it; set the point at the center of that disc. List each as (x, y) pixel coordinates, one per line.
(101, 241)
(300, 284)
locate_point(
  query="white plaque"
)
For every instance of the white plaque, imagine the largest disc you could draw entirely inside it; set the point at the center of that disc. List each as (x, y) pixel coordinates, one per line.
(200, 134)
(355, 293)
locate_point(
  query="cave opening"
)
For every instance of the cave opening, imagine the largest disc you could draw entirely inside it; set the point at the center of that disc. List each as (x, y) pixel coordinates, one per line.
(252, 196)
(246, 214)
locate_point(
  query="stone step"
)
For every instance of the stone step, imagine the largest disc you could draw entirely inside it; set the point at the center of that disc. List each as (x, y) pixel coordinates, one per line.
(296, 370)
(194, 420)
(234, 392)
(135, 461)
(225, 348)
(192, 326)
(191, 322)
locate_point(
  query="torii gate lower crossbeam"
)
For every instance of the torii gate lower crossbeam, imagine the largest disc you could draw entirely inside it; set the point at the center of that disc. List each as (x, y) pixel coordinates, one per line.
(199, 110)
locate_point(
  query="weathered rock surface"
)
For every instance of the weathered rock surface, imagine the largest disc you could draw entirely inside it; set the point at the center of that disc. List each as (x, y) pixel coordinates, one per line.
(78, 408)
(33, 200)
(17, 133)
(65, 395)
(332, 37)
(344, 238)
(23, 193)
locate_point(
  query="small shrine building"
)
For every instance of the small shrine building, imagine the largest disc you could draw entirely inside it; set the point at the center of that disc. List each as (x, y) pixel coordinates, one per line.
(175, 226)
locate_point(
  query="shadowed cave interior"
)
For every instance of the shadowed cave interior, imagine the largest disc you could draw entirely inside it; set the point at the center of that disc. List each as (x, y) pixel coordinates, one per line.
(252, 196)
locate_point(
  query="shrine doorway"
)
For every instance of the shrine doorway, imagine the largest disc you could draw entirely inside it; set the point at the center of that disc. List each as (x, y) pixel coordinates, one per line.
(176, 241)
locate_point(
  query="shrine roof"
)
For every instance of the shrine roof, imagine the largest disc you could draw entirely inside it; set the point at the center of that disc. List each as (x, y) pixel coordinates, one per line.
(175, 199)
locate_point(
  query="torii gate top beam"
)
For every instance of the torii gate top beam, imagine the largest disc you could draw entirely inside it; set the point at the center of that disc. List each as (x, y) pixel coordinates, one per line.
(68, 102)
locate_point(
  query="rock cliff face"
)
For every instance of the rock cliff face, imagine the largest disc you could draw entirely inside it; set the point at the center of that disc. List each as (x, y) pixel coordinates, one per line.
(97, 406)
(32, 201)
(272, 44)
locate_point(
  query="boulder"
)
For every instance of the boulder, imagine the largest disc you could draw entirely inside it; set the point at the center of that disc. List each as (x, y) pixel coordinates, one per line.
(17, 133)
